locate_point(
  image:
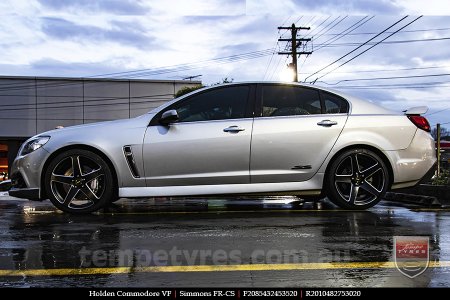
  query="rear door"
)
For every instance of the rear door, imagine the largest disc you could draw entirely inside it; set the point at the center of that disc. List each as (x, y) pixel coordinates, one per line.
(295, 130)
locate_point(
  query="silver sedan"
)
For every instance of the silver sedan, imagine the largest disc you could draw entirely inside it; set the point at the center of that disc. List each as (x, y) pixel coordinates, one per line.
(241, 138)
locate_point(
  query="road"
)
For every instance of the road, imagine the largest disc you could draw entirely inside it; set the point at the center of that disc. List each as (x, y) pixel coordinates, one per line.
(216, 243)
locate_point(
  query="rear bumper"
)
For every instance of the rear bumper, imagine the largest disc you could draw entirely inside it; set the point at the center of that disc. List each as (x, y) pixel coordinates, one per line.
(26, 193)
(425, 179)
(414, 163)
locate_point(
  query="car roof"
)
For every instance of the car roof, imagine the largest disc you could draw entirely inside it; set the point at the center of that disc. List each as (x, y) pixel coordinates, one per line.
(357, 105)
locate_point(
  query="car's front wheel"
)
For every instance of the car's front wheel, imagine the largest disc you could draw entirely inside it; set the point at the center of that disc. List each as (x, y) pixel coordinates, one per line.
(357, 179)
(79, 181)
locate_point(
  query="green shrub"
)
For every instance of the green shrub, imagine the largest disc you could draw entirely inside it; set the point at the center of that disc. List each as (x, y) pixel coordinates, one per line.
(187, 89)
(442, 179)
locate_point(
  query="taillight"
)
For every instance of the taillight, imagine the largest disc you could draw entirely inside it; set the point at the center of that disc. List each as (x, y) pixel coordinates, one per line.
(420, 122)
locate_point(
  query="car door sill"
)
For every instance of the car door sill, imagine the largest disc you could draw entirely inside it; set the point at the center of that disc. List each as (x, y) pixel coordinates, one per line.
(309, 187)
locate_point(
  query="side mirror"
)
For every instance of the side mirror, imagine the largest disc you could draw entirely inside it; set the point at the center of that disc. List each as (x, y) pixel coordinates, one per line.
(170, 116)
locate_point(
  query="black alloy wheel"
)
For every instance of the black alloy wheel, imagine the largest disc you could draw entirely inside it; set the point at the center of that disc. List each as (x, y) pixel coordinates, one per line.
(357, 179)
(79, 181)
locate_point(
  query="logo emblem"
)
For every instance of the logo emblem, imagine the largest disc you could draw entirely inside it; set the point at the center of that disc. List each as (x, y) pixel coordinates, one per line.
(411, 254)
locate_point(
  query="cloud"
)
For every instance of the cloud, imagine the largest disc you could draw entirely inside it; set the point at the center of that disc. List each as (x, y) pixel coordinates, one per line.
(86, 37)
(118, 7)
(53, 67)
(355, 6)
(121, 32)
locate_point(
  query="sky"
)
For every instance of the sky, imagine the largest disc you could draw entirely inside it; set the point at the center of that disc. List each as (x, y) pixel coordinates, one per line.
(175, 39)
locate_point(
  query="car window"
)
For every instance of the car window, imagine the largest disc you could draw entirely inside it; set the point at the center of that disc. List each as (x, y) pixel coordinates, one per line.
(218, 104)
(280, 100)
(334, 104)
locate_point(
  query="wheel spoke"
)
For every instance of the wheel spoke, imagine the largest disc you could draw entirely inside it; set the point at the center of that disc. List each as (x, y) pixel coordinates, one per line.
(370, 188)
(62, 179)
(76, 166)
(73, 191)
(355, 164)
(371, 170)
(354, 189)
(89, 193)
(92, 175)
(343, 178)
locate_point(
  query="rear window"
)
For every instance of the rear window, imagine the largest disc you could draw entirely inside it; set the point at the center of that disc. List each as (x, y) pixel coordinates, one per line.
(334, 104)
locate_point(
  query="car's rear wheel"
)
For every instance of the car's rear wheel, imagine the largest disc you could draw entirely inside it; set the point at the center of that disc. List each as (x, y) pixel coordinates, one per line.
(357, 179)
(79, 181)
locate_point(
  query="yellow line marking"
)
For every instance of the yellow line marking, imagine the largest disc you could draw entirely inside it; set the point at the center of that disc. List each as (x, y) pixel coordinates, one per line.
(211, 268)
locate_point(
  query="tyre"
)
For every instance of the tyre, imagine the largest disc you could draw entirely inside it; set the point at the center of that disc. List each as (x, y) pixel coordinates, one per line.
(357, 179)
(79, 181)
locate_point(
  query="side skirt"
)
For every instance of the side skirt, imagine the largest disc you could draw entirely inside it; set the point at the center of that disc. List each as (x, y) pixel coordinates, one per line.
(310, 187)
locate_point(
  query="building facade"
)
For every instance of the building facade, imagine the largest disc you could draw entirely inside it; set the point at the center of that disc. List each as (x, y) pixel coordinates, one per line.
(30, 105)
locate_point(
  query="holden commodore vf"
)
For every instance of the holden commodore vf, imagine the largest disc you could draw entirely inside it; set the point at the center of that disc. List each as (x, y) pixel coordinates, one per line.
(233, 139)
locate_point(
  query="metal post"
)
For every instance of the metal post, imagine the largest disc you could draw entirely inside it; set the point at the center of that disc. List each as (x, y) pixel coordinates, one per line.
(438, 149)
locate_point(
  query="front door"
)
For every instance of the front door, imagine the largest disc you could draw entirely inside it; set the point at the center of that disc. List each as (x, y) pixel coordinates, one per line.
(210, 144)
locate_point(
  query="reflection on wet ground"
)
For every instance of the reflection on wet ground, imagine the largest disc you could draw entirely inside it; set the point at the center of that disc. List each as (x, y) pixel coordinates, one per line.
(270, 242)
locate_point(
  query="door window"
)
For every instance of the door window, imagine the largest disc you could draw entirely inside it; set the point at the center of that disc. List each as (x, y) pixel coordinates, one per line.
(217, 104)
(285, 100)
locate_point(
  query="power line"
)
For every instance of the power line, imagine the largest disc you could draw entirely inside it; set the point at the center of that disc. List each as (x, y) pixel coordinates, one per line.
(385, 43)
(171, 67)
(383, 78)
(327, 25)
(87, 99)
(405, 31)
(315, 28)
(361, 53)
(344, 32)
(433, 113)
(70, 104)
(389, 70)
(320, 35)
(156, 71)
(348, 53)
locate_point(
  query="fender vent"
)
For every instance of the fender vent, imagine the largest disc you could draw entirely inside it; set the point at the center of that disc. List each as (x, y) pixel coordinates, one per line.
(130, 160)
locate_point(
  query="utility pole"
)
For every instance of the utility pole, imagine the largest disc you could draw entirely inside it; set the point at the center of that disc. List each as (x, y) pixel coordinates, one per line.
(295, 43)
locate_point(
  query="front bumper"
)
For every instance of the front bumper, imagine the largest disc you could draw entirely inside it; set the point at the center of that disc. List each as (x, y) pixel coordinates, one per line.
(26, 175)
(31, 194)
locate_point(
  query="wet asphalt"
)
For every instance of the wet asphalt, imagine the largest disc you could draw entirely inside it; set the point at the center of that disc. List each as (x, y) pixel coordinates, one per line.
(147, 233)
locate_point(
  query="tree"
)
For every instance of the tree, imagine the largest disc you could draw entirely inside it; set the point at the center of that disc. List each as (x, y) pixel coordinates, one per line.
(444, 133)
(224, 80)
(187, 89)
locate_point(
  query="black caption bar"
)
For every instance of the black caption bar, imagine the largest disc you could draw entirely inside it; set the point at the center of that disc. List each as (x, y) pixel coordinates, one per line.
(233, 293)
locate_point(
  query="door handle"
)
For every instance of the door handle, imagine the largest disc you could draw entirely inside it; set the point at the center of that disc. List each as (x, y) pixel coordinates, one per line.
(233, 128)
(327, 123)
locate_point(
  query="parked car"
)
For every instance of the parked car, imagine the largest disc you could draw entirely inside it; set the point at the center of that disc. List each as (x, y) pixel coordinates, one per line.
(5, 185)
(241, 138)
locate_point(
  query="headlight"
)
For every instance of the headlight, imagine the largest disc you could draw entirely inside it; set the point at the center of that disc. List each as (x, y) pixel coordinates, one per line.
(33, 144)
